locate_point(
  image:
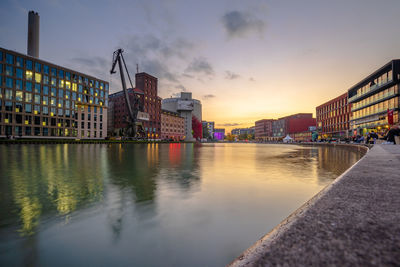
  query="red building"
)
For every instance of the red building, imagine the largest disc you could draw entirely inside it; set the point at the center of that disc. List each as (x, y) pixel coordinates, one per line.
(263, 130)
(118, 113)
(149, 102)
(152, 104)
(333, 117)
(296, 126)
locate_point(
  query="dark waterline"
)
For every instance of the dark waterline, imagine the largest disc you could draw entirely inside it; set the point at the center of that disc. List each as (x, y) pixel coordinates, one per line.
(152, 204)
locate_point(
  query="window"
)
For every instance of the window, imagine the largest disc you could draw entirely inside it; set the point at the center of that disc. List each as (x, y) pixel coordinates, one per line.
(68, 76)
(60, 112)
(28, 108)
(53, 91)
(18, 96)
(37, 131)
(36, 109)
(46, 69)
(61, 93)
(45, 79)
(45, 90)
(52, 113)
(28, 131)
(28, 86)
(18, 73)
(45, 110)
(9, 59)
(38, 67)
(61, 74)
(8, 94)
(53, 82)
(18, 84)
(28, 64)
(18, 119)
(61, 83)
(45, 100)
(9, 82)
(19, 62)
(28, 75)
(8, 105)
(9, 70)
(38, 77)
(53, 101)
(37, 88)
(53, 72)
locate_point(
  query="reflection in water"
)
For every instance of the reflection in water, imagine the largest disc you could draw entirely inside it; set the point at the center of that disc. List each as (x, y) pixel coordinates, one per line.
(162, 203)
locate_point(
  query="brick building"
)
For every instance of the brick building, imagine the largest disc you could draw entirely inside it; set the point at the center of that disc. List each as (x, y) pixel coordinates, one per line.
(152, 103)
(172, 126)
(263, 130)
(333, 117)
(293, 125)
(149, 103)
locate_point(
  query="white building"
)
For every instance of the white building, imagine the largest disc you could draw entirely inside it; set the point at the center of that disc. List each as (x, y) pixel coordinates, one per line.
(186, 107)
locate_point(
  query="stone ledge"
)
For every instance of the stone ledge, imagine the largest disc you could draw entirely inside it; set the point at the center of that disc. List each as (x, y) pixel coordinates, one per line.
(353, 221)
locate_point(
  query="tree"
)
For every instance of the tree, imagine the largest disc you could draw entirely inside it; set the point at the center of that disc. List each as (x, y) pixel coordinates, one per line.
(197, 128)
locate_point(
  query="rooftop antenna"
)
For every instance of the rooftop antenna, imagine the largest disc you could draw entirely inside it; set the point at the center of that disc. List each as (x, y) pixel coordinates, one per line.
(137, 68)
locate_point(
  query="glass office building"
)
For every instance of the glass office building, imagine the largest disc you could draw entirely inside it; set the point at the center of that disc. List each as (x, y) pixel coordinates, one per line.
(372, 97)
(41, 100)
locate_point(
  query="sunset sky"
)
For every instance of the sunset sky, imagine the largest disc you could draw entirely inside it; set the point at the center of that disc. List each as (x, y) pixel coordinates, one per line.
(245, 60)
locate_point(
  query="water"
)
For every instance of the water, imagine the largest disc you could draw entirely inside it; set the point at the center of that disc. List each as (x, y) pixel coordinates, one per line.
(152, 204)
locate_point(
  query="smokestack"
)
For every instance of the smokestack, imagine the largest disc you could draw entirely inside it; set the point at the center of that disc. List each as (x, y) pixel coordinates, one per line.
(33, 34)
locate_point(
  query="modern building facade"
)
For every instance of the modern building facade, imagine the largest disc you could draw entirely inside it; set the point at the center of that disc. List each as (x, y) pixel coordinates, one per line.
(208, 126)
(373, 97)
(333, 118)
(187, 107)
(41, 99)
(172, 126)
(263, 130)
(239, 131)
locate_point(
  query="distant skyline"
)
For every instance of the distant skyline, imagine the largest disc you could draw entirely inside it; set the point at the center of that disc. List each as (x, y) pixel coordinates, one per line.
(245, 60)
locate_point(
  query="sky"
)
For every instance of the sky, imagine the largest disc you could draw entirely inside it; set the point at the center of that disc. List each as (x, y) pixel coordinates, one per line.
(245, 60)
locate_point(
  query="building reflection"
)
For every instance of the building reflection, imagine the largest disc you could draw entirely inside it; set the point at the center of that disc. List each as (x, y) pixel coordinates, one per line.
(46, 180)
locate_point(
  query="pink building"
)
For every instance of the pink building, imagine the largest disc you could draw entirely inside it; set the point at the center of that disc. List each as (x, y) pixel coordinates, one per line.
(172, 126)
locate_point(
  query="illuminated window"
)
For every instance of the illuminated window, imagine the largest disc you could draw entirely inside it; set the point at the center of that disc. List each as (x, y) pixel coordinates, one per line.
(61, 83)
(67, 85)
(18, 96)
(28, 75)
(74, 86)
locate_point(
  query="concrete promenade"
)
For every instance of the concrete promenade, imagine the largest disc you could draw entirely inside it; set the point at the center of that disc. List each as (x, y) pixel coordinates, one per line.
(355, 221)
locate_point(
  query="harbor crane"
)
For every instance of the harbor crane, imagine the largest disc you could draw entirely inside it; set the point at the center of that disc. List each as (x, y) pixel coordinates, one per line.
(133, 129)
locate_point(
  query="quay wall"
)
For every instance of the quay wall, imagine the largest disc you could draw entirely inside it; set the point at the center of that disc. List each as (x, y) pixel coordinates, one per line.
(352, 221)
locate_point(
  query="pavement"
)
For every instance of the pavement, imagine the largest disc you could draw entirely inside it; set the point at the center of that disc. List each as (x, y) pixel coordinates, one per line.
(355, 221)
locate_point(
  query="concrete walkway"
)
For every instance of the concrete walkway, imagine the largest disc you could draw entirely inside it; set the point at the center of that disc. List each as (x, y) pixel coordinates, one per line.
(355, 221)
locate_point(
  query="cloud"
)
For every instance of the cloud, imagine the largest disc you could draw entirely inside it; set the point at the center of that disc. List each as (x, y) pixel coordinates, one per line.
(96, 66)
(209, 96)
(181, 88)
(231, 75)
(251, 79)
(229, 124)
(239, 24)
(200, 66)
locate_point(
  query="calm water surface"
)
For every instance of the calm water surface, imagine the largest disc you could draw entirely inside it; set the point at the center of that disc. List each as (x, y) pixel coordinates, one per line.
(152, 204)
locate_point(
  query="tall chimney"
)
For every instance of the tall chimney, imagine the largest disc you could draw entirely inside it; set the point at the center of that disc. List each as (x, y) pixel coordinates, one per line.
(33, 34)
